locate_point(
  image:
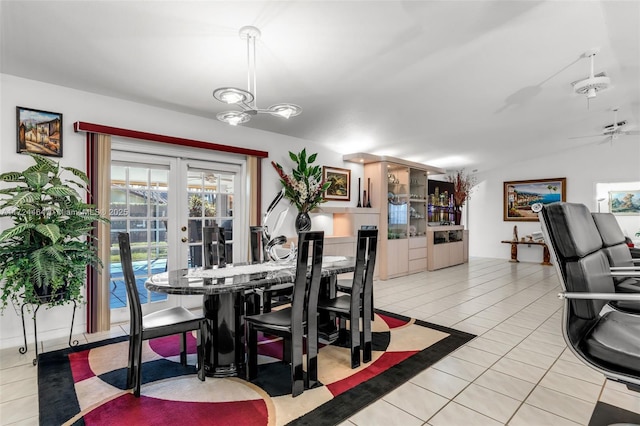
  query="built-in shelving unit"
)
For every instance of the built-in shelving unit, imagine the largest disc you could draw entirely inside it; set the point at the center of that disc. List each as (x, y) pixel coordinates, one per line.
(399, 188)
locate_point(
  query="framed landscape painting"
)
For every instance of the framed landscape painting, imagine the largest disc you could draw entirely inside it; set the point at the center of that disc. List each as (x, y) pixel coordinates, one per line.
(340, 188)
(38, 132)
(520, 195)
(624, 202)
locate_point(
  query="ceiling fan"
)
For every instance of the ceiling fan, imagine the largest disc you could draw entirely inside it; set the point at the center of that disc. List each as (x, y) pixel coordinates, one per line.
(612, 131)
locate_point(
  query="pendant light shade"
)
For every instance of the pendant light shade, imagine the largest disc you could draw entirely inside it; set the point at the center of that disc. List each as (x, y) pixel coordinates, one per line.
(246, 99)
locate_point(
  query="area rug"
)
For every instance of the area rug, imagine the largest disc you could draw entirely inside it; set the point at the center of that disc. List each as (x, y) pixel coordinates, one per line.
(85, 385)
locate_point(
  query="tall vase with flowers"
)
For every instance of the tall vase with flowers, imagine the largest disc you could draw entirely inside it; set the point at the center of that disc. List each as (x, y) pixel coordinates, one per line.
(462, 187)
(304, 186)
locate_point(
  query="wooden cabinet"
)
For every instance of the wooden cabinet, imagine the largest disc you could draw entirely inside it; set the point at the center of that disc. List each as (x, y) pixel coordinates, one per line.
(445, 246)
(399, 189)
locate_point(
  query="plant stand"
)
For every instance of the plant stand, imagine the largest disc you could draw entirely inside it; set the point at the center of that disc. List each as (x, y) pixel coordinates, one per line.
(23, 349)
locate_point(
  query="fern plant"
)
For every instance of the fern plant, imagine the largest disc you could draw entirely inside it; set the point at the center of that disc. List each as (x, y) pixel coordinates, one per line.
(45, 253)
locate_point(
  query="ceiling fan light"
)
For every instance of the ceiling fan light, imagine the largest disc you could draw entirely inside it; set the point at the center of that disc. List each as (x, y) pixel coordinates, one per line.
(232, 95)
(285, 110)
(591, 93)
(233, 117)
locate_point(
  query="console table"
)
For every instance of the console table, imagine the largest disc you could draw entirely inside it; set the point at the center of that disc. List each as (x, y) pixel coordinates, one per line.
(546, 257)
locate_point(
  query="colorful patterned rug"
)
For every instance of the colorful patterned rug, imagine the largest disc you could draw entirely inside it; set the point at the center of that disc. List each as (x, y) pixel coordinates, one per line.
(85, 385)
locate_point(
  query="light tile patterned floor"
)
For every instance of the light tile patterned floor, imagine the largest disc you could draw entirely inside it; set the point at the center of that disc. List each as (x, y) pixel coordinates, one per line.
(517, 371)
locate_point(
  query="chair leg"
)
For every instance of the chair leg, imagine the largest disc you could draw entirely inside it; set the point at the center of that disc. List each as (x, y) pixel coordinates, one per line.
(366, 336)
(200, 352)
(130, 365)
(355, 338)
(183, 349)
(312, 355)
(138, 368)
(297, 372)
(252, 370)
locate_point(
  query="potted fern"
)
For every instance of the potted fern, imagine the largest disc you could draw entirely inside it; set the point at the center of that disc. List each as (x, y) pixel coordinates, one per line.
(45, 253)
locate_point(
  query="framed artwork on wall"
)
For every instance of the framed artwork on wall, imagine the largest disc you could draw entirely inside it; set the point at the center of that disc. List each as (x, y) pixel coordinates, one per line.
(520, 195)
(340, 188)
(38, 132)
(624, 202)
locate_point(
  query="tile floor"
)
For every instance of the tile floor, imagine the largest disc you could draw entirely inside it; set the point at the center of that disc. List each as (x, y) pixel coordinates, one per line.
(518, 370)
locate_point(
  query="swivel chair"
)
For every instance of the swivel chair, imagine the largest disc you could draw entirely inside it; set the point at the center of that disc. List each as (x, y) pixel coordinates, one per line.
(605, 339)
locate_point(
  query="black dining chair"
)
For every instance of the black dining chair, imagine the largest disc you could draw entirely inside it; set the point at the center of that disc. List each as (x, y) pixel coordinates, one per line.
(607, 340)
(357, 307)
(162, 323)
(293, 322)
(343, 285)
(258, 255)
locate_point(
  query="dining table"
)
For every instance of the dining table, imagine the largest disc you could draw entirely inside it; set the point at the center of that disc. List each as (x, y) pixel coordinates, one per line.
(225, 291)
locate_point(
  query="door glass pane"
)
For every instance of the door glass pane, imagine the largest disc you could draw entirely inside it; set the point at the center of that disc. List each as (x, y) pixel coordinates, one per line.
(139, 207)
(210, 201)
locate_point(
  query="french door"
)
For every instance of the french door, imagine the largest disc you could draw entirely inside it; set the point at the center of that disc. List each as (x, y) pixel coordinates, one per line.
(163, 202)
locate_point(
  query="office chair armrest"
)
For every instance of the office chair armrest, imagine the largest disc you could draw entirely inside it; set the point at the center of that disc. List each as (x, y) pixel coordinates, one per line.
(629, 297)
(625, 271)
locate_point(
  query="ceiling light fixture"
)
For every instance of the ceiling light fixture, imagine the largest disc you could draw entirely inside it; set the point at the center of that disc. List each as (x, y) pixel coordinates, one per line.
(246, 99)
(594, 83)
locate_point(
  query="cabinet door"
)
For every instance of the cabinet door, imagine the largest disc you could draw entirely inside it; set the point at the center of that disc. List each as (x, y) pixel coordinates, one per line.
(397, 259)
(456, 253)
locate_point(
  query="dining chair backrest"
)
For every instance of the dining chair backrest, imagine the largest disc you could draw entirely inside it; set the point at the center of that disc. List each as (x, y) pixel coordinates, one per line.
(258, 244)
(214, 245)
(135, 307)
(304, 301)
(366, 248)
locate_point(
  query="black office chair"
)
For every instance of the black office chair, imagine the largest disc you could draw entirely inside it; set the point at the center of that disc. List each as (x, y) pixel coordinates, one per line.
(618, 253)
(293, 322)
(605, 339)
(357, 306)
(258, 255)
(166, 322)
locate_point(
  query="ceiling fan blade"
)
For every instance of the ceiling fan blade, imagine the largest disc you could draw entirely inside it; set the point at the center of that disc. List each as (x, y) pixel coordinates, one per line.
(632, 132)
(605, 140)
(587, 136)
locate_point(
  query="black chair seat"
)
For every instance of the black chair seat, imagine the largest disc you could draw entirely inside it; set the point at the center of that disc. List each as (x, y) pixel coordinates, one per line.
(276, 320)
(615, 340)
(340, 304)
(172, 320)
(344, 285)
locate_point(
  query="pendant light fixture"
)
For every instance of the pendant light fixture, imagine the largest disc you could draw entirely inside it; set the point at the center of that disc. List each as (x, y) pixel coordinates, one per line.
(246, 99)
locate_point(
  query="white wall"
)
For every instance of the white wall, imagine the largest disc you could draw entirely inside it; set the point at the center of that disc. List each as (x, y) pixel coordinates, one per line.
(583, 167)
(82, 106)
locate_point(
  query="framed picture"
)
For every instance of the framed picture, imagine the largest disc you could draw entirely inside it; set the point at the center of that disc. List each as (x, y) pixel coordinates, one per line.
(340, 188)
(624, 202)
(520, 195)
(39, 132)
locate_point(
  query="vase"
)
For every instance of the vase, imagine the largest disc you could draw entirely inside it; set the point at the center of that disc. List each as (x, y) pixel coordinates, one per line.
(458, 215)
(303, 222)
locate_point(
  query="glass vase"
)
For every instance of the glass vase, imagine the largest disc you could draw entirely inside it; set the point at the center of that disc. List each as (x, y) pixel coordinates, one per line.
(303, 222)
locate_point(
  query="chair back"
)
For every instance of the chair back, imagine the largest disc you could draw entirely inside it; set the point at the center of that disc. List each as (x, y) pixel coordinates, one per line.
(576, 246)
(366, 248)
(213, 243)
(614, 241)
(258, 242)
(135, 308)
(304, 302)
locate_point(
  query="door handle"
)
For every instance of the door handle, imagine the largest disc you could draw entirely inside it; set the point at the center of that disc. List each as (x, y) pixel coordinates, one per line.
(184, 228)
(184, 239)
